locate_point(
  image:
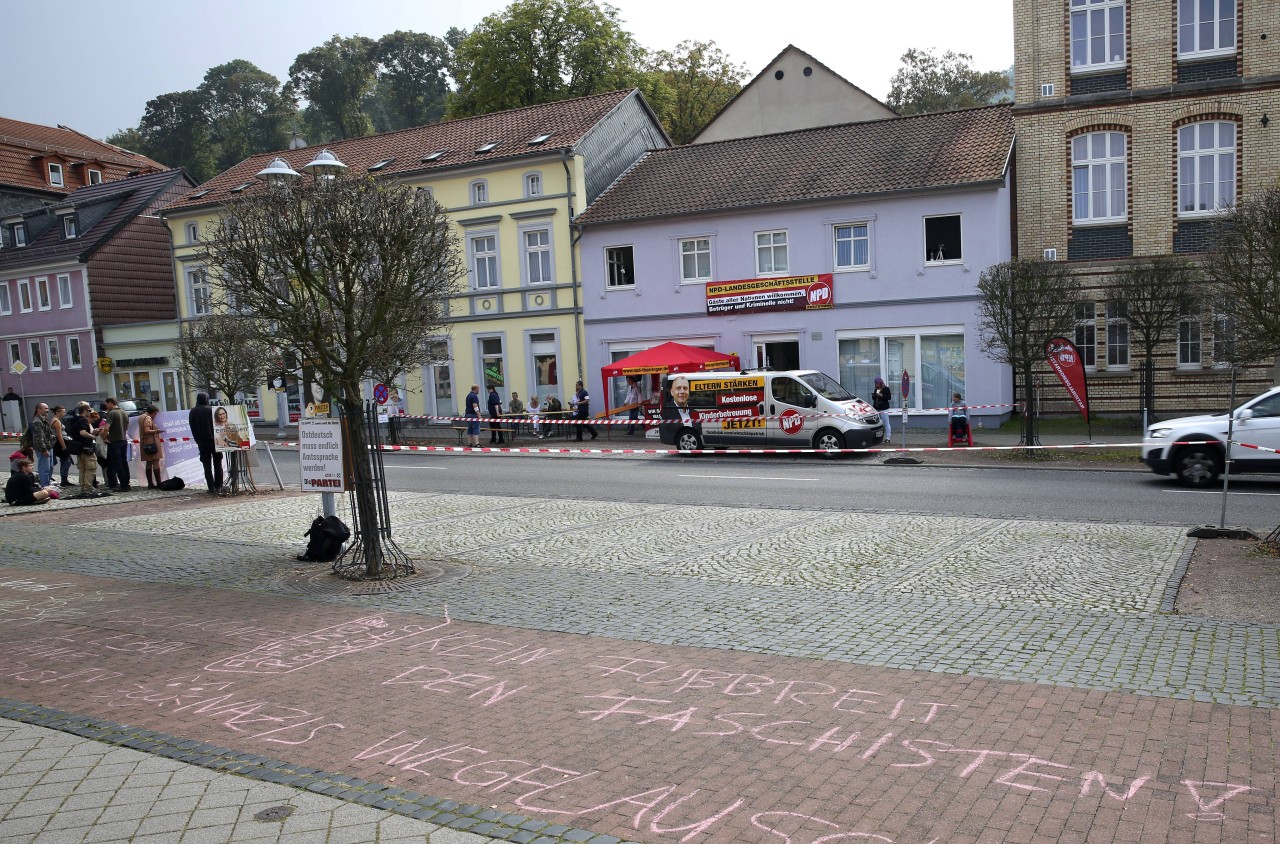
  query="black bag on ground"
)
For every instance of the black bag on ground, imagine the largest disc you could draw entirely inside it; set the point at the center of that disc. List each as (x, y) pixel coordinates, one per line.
(327, 534)
(172, 484)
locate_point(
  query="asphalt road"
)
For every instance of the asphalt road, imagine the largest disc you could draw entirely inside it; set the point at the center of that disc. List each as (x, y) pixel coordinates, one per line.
(847, 485)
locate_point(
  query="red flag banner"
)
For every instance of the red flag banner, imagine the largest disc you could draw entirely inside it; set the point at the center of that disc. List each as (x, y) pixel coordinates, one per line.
(1065, 360)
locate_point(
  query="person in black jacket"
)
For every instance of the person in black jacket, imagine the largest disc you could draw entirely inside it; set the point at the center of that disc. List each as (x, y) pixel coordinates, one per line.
(582, 410)
(881, 399)
(201, 421)
(495, 416)
(24, 488)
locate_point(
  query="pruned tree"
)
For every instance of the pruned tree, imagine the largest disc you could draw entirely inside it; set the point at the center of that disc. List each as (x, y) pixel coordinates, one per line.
(1242, 277)
(542, 51)
(229, 352)
(347, 270)
(1023, 303)
(693, 82)
(928, 83)
(1154, 295)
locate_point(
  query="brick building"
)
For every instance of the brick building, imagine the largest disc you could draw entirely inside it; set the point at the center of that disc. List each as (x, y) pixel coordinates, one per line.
(1137, 120)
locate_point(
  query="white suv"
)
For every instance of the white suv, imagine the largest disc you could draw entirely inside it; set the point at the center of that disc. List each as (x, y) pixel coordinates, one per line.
(1257, 422)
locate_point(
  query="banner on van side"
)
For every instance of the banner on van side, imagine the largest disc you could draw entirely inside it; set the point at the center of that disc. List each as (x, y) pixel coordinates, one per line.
(795, 293)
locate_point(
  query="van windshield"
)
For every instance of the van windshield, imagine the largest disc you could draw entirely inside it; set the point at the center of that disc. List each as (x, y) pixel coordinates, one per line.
(827, 387)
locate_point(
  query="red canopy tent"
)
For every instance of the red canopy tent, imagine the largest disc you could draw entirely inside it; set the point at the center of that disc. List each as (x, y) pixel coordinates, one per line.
(666, 358)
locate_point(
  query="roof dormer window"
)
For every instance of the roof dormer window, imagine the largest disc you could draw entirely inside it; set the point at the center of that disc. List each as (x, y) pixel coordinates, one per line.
(380, 165)
(489, 147)
(55, 174)
(18, 234)
(70, 229)
(95, 177)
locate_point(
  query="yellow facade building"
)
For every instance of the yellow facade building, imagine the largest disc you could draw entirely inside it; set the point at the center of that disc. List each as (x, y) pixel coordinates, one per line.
(511, 183)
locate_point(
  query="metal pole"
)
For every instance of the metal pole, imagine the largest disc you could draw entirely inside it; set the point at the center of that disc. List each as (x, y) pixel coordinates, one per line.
(1226, 466)
(328, 501)
(274, 468)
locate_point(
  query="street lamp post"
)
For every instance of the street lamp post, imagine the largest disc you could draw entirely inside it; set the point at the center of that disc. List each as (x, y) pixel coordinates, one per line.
(280, 176)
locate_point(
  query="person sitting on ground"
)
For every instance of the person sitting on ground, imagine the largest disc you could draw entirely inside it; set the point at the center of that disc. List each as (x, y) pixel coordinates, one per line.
(959, 417)
(23, 488)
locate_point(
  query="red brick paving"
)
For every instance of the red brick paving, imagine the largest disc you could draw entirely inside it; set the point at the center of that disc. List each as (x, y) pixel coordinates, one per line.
(645, 742)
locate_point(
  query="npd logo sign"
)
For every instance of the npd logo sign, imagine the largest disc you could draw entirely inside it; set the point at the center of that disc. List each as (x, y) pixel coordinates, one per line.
(791, 421)
(819, 295)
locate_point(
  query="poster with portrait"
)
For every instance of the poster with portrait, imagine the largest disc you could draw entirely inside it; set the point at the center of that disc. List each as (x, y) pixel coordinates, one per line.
(231, 428)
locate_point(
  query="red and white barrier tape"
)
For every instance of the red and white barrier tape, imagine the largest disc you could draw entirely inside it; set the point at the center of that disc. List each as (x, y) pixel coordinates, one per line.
(645, 420)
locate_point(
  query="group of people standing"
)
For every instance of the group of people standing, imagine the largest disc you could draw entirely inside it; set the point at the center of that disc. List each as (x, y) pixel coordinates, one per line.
(54, 439)
(534, 412)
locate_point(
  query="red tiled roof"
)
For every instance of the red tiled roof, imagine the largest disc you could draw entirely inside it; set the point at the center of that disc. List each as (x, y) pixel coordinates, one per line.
(566, 122)
(879, 156)
(22, 145)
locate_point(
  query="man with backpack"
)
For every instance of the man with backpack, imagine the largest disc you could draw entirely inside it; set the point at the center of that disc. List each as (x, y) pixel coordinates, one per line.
(82, 439)
(39, 439)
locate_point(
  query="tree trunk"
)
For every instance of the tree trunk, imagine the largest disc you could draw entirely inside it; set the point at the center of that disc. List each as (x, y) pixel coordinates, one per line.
(362, 492)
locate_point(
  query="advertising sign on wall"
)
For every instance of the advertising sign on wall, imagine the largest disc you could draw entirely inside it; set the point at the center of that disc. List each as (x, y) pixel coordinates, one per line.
(755, 295)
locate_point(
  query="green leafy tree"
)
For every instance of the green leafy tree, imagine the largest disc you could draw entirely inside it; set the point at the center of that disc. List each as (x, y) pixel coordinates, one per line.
(1154, 295)
(693, 82)
(541, 51)
(334, 79)
(245, 111)
(174, 131)
(1242, 276)
(928, 83)
(1022, 304)
(412, 83)
(350, 272)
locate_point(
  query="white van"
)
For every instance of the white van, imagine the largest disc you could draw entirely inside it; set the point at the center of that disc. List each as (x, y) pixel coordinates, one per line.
(799, 408)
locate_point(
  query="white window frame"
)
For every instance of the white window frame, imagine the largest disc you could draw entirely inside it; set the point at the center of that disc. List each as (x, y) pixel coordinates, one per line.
(6, 302)
(1086, 333)
(1086, 15)
(918, 334)
(69, 228)
(1223, 336)
(15, 352)
(533, 184)
(19, 234)
(771, 248)
(55, 175)
(479, 192)
(25, 304)
(1191, 30)
(74, 359)
(44, 296)
(53, 354)
(94, 176)
(609, 264)
(852, 239)
(199, 291)
(35, 357)
(489, 256)
(1190, 342)
(929, 257)
(1217, 157)
(65, 296)
(193, 232)
(1119, 346)
(1088, 166)
(695, 248)
(541, 252)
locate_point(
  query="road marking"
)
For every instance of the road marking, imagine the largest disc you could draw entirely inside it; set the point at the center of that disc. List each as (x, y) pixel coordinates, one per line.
(1217, 492)
(745, 478)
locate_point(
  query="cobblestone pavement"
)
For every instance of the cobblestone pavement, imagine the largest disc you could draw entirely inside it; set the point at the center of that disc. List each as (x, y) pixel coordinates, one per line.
(57, 788)
(991, 679)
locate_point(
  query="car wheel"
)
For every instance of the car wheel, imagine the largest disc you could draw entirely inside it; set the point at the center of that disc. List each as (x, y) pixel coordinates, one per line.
(1197, 465)
(828, 439)
(687, 440)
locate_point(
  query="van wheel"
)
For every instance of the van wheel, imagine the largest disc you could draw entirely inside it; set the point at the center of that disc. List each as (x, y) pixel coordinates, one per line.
(828, 439)
(1197, 465)
(687, 440)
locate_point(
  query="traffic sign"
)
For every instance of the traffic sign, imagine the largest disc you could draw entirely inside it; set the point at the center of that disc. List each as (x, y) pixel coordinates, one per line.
(380, 393)
(18, 367)
(906, 386)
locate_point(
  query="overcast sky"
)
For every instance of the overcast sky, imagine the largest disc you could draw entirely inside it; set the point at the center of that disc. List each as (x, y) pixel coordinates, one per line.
(92, 66)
